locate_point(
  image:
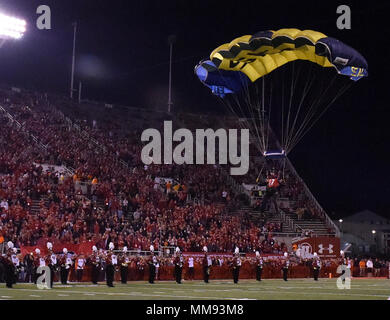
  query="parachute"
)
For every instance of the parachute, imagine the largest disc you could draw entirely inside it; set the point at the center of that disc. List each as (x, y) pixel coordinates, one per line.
(280, 83)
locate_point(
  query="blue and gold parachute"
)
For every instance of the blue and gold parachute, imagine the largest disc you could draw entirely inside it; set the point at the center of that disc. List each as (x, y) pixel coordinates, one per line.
(281, 81)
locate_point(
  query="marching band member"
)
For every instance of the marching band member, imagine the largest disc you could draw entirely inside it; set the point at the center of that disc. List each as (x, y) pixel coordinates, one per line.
(124, 260)
(316, 266)
(51, 261)
(236, 265)
(191, 268)
(16, 264)
(28, 262)
(285, 266)
(8, 265)
(38, 262)
(342, 262)
(259, 266)
(156, 264)
(178, 265)
(80, 264)
(65, 263)
(152, 261)
(111, 263)
(206, 262)
(95, 261)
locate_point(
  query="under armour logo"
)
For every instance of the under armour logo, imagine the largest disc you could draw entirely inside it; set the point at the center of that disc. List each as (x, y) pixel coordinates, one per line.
(321, 248)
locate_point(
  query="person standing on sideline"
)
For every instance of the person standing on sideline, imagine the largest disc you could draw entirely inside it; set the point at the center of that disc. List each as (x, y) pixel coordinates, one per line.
(39, 261)
(236, 265)
(191, 268)
(51, 261)
(80, 264)
(125, 260)
(178, 265)
(362, 267)
(369, 266)
(206, 265)
(316, 266)
(65, 263)
(111, 263)
(28, 262)
(9, 268)
(152, 267)
(377, 267)
(259, 266)
(94, 260)
(285, 266)
(16, 263)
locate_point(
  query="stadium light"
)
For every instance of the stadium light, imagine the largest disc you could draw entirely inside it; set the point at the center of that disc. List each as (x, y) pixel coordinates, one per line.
(341, 220)
(11, 28)
(373, 231)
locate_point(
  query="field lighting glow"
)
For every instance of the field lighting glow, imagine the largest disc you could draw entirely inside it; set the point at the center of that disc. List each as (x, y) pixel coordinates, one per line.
(11, 28)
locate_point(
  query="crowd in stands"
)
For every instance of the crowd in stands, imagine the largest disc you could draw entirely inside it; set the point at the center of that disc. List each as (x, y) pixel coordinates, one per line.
(122, 203)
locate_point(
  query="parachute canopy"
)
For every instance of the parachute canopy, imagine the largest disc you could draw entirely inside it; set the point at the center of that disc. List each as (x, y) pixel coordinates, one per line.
(263, 52)
(220, 82)
(280, 83)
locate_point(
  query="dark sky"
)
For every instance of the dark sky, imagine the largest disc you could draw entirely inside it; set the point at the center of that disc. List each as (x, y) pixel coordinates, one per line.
(122, 57)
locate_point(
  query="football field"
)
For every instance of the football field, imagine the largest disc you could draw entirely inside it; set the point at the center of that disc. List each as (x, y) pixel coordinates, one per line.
(272, 289)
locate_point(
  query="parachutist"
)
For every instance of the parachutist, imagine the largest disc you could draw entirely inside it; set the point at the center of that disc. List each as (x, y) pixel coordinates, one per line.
(276, 87)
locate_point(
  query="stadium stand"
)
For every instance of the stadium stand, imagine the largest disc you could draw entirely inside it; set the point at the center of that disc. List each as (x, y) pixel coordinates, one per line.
(104, 193)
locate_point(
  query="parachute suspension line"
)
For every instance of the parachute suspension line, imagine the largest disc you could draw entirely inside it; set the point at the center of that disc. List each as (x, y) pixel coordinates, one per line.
(290, 103)
(311, 113)
(258, 127)
(269, 115)
(282, 119)
(240, 112)
(263, 114)
(251, 104)
(230, 105)
(339, 94)
(306, 90)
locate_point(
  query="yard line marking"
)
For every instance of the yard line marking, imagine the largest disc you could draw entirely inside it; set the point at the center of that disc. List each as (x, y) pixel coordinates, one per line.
(89, 294)
(143, 295)
(328, 293)
(34, 295)
(63, 295)
(7, 297)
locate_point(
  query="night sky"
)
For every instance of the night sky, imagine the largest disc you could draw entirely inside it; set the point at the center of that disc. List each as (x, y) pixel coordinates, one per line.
(123, 55)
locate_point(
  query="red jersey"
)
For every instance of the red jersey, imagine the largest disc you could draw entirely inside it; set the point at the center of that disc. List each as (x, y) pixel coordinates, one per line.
(273, 183)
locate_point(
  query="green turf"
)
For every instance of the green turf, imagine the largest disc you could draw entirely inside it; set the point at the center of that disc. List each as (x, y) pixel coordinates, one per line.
(301, 289)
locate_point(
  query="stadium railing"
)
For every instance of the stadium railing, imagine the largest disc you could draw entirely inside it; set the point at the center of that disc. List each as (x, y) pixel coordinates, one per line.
(290, 222)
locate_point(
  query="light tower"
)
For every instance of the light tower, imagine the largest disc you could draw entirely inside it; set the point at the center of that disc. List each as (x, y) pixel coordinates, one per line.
(11, 28)
(171, 41)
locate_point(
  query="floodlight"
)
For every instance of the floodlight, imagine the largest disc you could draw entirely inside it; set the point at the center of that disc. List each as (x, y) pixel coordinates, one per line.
(11, 28)
(341, 220)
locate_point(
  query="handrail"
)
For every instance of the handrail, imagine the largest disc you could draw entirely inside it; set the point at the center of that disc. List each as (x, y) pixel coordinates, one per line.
(291, 222)
(23, 129)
